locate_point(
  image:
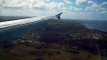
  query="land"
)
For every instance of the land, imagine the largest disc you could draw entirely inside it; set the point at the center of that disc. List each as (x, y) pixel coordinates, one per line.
(57, 40)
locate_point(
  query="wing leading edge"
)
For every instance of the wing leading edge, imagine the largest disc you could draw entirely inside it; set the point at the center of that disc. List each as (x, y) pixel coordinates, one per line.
(15, 28)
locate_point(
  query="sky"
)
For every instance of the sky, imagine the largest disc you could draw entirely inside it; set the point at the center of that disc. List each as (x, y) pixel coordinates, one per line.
(73, 9)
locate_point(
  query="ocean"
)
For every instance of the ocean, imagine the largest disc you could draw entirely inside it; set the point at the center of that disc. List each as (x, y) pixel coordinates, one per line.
(100, 25)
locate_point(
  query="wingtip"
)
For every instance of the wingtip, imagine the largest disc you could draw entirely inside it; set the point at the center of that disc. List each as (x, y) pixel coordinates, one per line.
(58, 16)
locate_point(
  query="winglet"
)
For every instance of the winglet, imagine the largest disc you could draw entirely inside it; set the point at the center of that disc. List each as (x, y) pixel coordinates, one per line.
(59, 16)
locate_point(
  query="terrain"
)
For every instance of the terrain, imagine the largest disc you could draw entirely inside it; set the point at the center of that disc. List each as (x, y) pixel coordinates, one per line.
(57, 40)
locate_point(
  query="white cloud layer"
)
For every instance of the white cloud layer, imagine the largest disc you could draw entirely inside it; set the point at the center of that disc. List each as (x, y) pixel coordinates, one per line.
(104, 3)
(36, 4)
(78, 2)
(95, 7)
(52, 5)
(13, 3)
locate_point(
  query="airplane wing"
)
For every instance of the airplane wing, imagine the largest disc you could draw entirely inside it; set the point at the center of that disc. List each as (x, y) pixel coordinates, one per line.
(59, 15)
(14, 28)
(25, 21)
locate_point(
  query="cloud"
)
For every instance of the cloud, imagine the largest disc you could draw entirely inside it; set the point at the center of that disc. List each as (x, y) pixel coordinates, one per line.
(95, 7)
(49, 5)
(61, 6)
(40, 5)
(77, 9)
(104, 3)
(64, 5)
(0, 3)
(13, 3)
(104, 12)
(34, 4)
(68, 2)
(78, 2)
(90, 2)
(44, 5)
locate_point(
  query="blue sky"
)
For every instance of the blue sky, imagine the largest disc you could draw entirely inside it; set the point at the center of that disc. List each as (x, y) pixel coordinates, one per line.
(73, 9)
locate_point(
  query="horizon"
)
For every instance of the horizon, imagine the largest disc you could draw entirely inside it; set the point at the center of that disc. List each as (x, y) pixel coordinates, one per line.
(61, 18)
